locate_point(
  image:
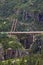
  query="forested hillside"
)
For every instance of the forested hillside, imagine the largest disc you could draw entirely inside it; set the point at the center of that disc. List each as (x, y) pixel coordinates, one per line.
(27, 15)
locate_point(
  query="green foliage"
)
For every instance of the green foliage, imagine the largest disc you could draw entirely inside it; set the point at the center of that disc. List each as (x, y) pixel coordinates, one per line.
(10, 42)
(23, 61)
(5, 25)
(9, 9)
(33, 60)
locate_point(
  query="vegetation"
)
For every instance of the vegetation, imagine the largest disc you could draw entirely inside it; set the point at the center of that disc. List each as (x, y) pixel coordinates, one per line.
(10, 42)
(29, 14)
(35, 56)
(35, 60)
(17, 41)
